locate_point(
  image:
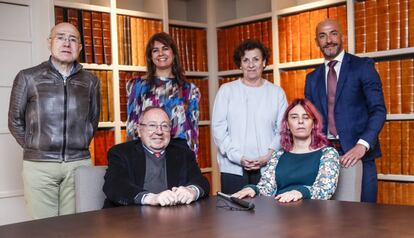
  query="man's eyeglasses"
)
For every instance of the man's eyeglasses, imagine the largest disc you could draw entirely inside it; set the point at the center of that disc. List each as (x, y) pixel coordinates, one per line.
(63, 39)
(151, 127)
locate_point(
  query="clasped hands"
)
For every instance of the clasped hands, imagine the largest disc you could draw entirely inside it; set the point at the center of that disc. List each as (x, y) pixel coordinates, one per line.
(254, 164)
(175, 196)
(289, 196)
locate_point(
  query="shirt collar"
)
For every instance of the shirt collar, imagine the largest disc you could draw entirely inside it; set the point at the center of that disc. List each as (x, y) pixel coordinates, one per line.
(338, 58)
(150, 151)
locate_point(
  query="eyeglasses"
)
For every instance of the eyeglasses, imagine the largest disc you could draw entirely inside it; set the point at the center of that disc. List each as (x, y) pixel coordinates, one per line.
(151, 127)
(63, 39)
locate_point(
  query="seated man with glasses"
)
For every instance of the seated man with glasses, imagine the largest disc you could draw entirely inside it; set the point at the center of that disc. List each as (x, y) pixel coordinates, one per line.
(153, 170)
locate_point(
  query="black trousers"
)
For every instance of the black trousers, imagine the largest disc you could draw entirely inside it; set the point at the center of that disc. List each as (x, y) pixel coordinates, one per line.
(231, 183)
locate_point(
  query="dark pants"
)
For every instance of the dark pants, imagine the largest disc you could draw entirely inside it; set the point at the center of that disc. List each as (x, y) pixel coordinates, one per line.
(369, 182)
(231, 183)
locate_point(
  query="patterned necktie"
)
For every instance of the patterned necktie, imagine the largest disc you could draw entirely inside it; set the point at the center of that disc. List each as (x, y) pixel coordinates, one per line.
(157, 154)
(332, 81)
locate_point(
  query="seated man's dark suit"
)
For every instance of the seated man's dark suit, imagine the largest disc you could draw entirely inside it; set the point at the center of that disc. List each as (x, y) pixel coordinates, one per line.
(125, 175)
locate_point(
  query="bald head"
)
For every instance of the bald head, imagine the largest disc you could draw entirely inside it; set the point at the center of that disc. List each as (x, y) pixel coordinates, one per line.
(64, 44)
(328, 22)
(65, 26)
(329, 38)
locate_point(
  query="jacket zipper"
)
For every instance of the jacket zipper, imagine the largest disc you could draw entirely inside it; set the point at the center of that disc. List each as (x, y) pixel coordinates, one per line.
(64, 117)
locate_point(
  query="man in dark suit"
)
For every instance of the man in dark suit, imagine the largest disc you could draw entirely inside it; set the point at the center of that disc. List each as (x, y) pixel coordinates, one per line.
(347, 90)
(151, 170)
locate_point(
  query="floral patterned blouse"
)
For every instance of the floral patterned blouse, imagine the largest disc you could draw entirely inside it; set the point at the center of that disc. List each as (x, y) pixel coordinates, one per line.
(322, 188)
(181, 104)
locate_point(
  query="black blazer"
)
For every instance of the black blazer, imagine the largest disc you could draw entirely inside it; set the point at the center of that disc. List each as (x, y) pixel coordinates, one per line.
(125, 175)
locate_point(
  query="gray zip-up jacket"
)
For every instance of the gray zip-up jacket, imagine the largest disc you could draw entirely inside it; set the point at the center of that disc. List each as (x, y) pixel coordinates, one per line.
(51, 118)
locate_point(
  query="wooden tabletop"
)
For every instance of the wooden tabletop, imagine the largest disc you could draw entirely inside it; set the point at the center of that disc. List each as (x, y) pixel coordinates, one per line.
(310, 218)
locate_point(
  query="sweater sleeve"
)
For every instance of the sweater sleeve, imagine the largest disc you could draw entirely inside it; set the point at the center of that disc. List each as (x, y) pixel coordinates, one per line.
(220, 127)
(192, 115)
(327, 178)
(282, 105)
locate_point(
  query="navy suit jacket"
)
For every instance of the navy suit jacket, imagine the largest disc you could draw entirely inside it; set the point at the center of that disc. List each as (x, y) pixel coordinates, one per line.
(359, 102)
(125, 175)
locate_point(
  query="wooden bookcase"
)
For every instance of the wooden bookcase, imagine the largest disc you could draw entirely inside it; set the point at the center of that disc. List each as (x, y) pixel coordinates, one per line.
(214, 16)
(287, 73)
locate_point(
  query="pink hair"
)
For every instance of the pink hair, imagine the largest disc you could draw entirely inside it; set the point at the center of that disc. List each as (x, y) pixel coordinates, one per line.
(318, 138)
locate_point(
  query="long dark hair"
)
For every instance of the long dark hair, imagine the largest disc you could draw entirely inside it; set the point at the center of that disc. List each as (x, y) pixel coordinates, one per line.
(177, 69)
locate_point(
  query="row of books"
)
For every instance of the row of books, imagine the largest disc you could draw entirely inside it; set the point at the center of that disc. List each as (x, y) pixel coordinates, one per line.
(107, 94)
(202, 84)
(297, 33)
(397, 76)
(397, 147)
(192, 47)
(266, 75)
(293, 83)
(99, 146)
(124, 78)
(133, 35)
(230, 37)
(95, 30)
(383, 25)
(396, 193)
(204, 152)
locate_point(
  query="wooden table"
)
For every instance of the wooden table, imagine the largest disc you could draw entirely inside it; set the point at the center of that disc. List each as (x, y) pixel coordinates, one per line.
(202, 219)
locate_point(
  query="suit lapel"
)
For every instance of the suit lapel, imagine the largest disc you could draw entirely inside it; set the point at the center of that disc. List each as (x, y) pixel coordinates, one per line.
(139, 159)
(342, 77)
(321, 89)
(173, 168)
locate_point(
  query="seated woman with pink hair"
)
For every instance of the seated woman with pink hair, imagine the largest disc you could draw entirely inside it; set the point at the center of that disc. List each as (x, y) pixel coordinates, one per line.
(305, 167)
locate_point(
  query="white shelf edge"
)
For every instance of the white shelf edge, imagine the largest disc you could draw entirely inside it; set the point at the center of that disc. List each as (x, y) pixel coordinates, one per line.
(187, 23)
(396, 117)
(122, 124)
(106, 124)
(139, 14)
(204, 123)
(20, 2)
(97, 66)
(303, 63)
(196, 73)
(239, 72)
(396, 177)
(82, 6)
(308, 6)
(3, 85)
(132, 68)
(385, 53)
(206, 170)
(11, 193)
(230, 72)
(4, 130)
(6, 38)
(244, 20)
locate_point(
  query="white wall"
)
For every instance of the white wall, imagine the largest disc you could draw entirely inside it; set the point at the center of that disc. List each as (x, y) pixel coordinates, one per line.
(24, 27)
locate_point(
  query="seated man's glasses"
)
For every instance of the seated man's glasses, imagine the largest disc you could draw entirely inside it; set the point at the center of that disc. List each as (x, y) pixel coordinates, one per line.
(152, 126)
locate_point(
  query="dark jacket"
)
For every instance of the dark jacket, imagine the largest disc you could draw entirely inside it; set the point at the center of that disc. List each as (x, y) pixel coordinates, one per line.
(51, 119)
(359, 104)
(125, 175)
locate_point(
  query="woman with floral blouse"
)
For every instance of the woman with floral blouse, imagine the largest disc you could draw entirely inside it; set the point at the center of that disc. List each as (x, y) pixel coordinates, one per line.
(165, 86)
(305, 168)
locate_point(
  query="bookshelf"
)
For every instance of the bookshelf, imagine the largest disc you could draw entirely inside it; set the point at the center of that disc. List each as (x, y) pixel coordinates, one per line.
(187, 17)
(285, 72)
